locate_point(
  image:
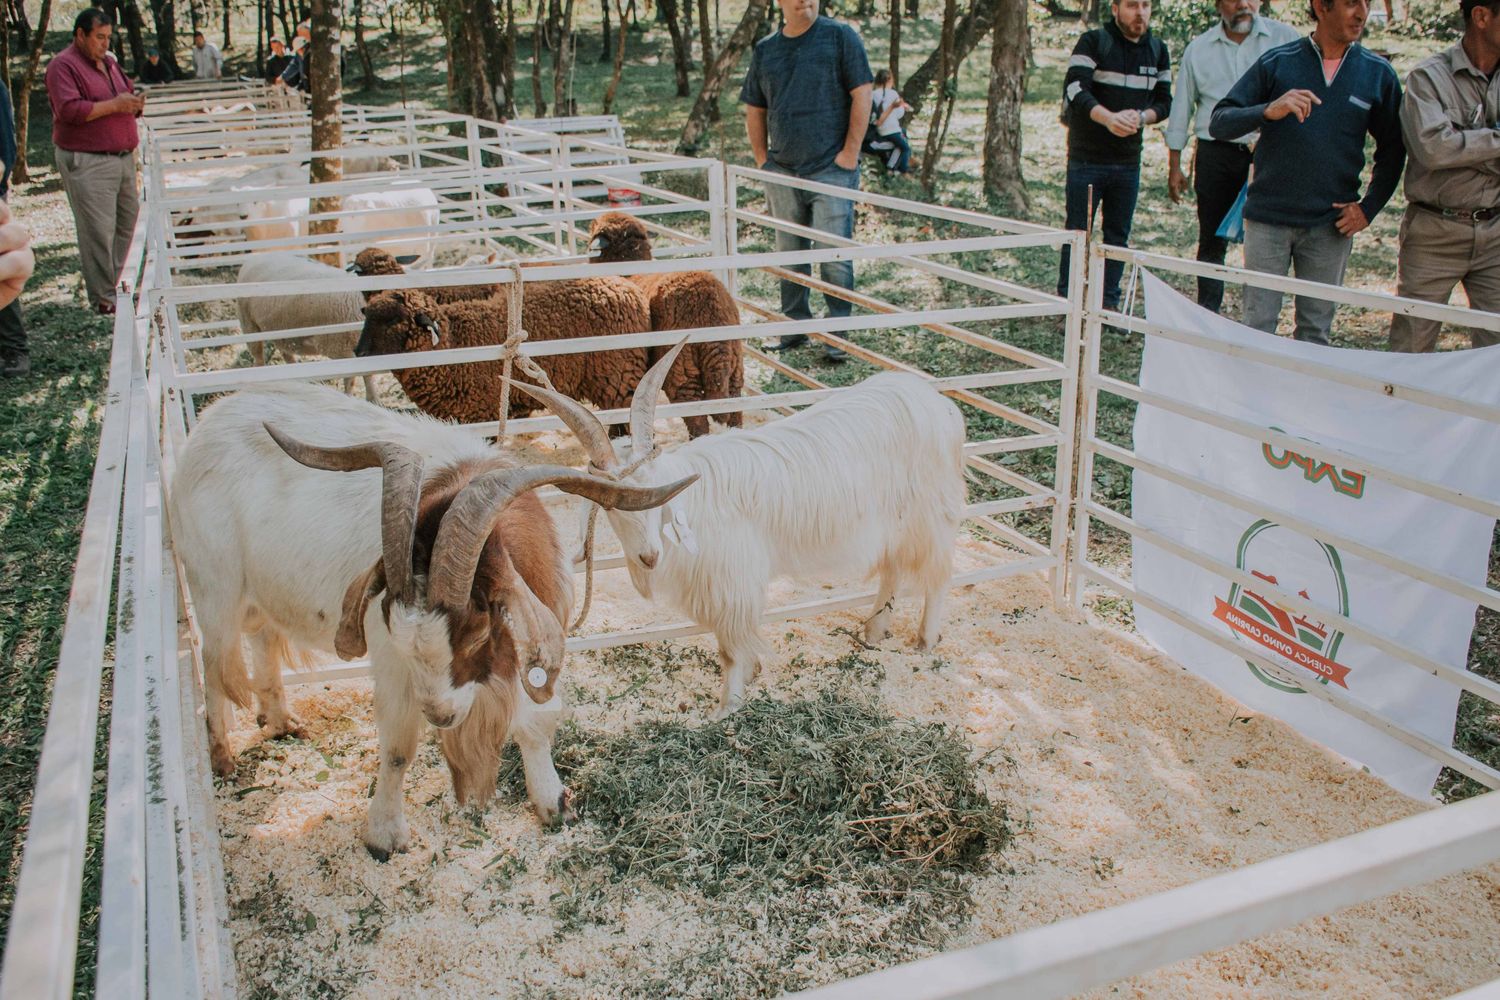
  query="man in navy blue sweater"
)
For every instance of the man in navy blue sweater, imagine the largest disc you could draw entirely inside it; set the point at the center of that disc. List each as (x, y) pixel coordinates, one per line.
(1313, 101)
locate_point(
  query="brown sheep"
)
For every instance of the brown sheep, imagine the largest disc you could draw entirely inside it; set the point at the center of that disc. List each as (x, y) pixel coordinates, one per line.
(401, 321)
(680, 301)
(373, 261)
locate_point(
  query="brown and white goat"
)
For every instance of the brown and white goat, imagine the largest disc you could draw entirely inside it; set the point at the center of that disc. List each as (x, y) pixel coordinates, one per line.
(432, 552)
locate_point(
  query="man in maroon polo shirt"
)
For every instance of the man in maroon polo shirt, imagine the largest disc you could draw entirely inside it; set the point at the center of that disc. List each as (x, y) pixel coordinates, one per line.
(94, 108)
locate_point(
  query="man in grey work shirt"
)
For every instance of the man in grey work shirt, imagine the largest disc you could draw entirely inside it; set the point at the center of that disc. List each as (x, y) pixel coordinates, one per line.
(1211, 64)
(807, 106)
(1450, 233)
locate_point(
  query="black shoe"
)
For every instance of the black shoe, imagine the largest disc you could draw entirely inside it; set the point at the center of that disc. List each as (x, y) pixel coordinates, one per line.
(834, 354)
(788, 342)
(16, 365)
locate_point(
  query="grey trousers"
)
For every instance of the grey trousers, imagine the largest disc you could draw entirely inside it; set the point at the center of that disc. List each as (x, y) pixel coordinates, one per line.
(1436, 254)
(1316, 253)
(102, 192)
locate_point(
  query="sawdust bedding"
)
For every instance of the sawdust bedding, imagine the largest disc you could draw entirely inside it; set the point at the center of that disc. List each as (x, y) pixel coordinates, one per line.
(1121, 774)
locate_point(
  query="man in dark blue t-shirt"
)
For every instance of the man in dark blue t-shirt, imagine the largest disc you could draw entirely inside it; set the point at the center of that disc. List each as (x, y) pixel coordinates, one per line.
(807, 105)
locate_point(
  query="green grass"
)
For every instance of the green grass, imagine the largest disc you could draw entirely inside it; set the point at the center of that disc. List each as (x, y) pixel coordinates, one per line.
(49, 422)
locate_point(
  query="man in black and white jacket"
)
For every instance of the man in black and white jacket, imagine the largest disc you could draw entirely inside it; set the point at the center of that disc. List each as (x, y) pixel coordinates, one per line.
(1119, 81)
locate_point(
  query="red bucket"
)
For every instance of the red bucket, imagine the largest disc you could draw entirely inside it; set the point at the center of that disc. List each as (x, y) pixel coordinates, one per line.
(624, 196)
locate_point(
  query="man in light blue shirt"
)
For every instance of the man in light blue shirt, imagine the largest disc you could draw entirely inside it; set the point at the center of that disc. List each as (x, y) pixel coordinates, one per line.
(1211, 64)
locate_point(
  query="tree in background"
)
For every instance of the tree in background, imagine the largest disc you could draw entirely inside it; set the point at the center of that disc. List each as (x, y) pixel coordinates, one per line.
(21, 173)
(947, 96)
(681, 59)
(716, 75)
(562, 64)
(327, 107)
(1010, 57)
(967, 34)
(164, 14)
(614, 80)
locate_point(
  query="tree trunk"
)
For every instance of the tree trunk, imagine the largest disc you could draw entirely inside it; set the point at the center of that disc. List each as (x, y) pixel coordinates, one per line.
(896, 45)
(705, 35)
(687, 31)
(606, 50)
(971, 29)
(227, 43)
(286, 23)
(680, 59)
(614, 81)
(912, 10)
(562, 66)
(361, 48)
(21, 25)
(946, 67)
(134, 24)
(1010, 57)
(20, 173)
(473, 58)
(164, 14)
(539, 105)
(508, 63)
(327, 123)
(717, 74)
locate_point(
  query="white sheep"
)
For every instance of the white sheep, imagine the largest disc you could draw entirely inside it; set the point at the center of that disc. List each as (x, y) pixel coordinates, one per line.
(869, 481)
(367, 212)
(266, 314)
(429, 549)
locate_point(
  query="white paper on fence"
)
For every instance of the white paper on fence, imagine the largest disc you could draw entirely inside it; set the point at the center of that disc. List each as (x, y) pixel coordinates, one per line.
(1437, 446)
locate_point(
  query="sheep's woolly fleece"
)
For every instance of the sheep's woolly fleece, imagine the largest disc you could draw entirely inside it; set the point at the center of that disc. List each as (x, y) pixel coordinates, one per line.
(1121, 773)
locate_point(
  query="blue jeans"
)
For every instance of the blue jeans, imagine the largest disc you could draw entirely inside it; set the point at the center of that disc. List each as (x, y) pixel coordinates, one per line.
(817, 211)
(1116, 186)
(894, 151)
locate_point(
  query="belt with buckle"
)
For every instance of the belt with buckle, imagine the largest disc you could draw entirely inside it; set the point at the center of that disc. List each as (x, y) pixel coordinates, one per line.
(1461, 214)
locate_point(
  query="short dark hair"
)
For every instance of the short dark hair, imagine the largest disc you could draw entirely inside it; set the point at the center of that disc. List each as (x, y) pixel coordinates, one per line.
(90, 18)
(883, 76)
(199, 34)
(1469, 6)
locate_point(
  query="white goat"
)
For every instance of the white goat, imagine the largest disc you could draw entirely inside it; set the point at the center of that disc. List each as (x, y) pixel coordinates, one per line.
(867, 482)
(476, 591)
(270, 313)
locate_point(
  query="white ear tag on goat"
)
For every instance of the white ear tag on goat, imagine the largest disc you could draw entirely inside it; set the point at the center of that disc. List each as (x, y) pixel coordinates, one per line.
(537, 677)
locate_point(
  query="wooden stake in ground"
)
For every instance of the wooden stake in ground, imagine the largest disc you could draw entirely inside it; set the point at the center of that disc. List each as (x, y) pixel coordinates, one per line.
(20, 174)
(1010, 56)
(715, 77)
(327, 103)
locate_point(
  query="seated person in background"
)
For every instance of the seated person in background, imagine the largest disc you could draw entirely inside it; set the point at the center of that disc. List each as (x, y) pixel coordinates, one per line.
(153, 70)
(886, 111)
(277, 61)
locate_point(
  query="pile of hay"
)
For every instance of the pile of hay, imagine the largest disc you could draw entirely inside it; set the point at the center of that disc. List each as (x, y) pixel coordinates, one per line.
(795, 812)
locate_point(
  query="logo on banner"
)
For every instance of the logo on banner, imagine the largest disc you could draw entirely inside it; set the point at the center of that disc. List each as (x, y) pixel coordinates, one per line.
(1306, 567)
(1344, 482)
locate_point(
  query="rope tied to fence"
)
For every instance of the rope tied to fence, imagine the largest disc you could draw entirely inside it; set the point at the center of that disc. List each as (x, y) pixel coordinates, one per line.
(515, 336)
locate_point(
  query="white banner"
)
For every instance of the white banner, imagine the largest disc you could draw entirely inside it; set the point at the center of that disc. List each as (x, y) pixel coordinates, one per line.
(1425, 443)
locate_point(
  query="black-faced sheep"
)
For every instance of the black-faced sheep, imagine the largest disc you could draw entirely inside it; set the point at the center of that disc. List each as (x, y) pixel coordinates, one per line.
(403, 321)
(267, 314)
(680, 301)
(372, 261)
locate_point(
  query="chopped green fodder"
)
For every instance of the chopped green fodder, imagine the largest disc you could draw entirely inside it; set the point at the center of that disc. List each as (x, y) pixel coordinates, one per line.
(817, 829)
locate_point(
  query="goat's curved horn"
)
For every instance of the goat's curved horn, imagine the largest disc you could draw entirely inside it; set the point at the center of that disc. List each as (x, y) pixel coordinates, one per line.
(580, 420)
(467, 525)
(401, 486)
(643, 403)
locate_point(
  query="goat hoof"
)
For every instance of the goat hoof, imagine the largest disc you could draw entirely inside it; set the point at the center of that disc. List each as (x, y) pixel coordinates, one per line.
(287, 726)
(223, 762)
(565, 811)
(378, 854)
